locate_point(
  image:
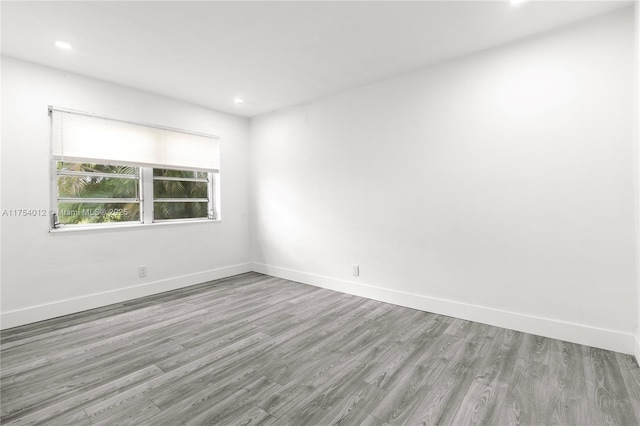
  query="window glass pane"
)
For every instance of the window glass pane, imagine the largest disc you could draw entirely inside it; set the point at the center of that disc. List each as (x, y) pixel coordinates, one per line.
(179, 210)
(96, 168)
(88, 186)
(179, 173)
(88, 212)
(87, 193)
(179, 189)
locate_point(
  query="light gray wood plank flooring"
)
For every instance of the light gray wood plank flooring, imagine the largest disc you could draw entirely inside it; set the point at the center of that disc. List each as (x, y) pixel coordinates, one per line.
(254, 349)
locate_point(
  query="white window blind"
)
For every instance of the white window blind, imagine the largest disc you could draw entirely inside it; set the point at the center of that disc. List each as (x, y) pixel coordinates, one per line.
(80, 137)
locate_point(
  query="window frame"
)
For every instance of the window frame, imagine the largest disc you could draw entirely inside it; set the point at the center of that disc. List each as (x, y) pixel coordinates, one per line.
(146, 199)
(212, 211)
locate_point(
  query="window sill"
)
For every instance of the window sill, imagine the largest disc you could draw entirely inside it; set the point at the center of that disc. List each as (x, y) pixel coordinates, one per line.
(131, 226)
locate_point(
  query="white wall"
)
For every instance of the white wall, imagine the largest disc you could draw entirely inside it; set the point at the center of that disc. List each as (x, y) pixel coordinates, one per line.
(637, 170)
(45, 275)
(497, 187)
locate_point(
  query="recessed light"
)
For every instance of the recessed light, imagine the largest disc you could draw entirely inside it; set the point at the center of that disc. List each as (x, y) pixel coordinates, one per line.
(517, 2)
(238, 100)
(63, 45)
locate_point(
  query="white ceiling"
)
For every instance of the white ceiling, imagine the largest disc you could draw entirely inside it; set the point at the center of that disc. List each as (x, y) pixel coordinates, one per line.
(272, 54)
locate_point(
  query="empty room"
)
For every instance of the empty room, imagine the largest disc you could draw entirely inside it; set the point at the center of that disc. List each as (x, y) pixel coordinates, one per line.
(320, 212)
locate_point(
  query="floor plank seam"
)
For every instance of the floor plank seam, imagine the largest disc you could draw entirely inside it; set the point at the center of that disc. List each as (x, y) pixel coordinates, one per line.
(88, 417)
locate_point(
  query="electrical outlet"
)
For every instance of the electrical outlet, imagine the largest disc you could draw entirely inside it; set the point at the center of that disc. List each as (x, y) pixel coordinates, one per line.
(142, 271)
(355, 270)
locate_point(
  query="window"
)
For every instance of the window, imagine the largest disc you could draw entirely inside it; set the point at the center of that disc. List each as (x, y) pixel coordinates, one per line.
(182, 194)
(97, 193)
(108, 173)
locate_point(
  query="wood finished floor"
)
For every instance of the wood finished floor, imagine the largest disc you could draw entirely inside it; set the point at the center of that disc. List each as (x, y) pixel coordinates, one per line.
(254, 349)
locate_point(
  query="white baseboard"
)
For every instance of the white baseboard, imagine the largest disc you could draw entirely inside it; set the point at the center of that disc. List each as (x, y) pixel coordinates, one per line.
(571, 332)
(64, 307)
(637, 347)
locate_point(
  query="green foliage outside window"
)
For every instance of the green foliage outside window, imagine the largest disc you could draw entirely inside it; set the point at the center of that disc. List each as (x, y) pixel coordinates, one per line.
(195, 186)
(83, 183)
(99, 193)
